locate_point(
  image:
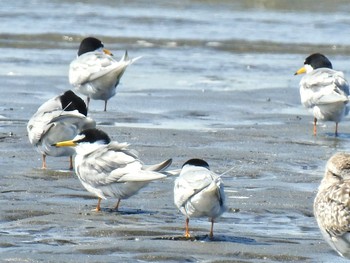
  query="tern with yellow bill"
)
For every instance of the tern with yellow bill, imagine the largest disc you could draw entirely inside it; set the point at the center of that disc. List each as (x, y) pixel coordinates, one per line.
(95, 73)
(59, 118)
(108, 168)
(323, 90)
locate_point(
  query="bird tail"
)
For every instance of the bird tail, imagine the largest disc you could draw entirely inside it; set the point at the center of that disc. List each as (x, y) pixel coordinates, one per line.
(125, 58)
(159, 166)
(174, 172)
(229, 170)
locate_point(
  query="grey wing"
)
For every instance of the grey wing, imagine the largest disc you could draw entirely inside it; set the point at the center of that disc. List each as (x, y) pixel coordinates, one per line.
(109, 65)
(51, 105)
(190, 183)
(75, 119)
(323, 86)
(39, 124)
(92, 65)
(88, 67)
(107, 165)
(48, 128)
(159, 166)
(221, 192)
(341, 83)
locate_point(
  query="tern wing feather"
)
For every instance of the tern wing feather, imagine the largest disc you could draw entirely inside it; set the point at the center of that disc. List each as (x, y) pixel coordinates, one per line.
(190, 183)
(114, 163)
(323, 86)
(93, 65)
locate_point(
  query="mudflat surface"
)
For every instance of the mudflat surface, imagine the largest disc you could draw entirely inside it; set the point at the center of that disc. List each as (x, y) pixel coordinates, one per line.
(46, 214)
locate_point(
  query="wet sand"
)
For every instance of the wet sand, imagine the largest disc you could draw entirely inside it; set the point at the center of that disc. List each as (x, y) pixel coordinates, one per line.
(46, 214)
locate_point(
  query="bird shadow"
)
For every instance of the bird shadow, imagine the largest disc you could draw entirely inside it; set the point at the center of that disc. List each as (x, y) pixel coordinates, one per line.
(339, 136)
(127, 211)
(51, 174)
(216, 238)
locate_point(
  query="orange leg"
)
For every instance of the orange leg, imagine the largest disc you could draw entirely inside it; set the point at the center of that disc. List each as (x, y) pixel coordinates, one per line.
(187, 230)
(117, 205)
(98, 207)
(315, 128)
(211, 234)
(44, 162)
(336, 129)
(70, 162)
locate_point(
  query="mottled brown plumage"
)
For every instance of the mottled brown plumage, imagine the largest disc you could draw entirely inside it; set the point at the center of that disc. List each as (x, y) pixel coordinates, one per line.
(332, 204)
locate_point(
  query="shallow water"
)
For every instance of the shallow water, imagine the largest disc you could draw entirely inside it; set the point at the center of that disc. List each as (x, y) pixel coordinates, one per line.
(215, 81)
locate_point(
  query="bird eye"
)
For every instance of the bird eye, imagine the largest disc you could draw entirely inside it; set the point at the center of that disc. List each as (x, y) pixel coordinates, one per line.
(336, 175)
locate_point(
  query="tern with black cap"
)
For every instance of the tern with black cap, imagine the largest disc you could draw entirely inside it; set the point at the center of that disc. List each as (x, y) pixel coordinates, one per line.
(110, 169)
(324, 90)
(95, 73)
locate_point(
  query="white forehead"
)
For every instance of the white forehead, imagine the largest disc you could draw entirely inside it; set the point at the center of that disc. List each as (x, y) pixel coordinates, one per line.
(308, 68)
(79, 137)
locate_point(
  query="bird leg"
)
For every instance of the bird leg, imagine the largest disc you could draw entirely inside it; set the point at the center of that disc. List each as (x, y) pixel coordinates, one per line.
(336, 129)
(187, 230)
(211, 234)
(87, 103)
(98, 206)
(44, 162)
(105, 105)
(70, 162)
(315, 128)
(117, 205)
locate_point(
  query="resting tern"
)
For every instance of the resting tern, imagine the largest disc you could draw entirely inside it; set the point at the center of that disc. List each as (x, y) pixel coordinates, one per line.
(108, 168)
(323, 90)
(95, 73)
(59, 118)
(199, 192)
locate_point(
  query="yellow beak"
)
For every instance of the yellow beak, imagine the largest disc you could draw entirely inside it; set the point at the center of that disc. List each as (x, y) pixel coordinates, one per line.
(64, 144)
(300, 71)
(108, 52)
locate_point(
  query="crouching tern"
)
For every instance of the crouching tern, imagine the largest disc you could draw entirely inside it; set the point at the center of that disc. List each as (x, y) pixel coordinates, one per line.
(108, 168)
(59, 118)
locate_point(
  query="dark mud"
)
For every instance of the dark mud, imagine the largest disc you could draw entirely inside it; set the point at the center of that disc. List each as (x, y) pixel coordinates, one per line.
(46, 214)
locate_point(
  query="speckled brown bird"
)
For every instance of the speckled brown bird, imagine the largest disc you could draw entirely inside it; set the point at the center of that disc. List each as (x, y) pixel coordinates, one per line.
(332, 204)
